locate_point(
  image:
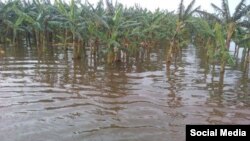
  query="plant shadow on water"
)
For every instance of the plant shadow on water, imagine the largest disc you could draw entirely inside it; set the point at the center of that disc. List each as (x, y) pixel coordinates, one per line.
(45, 95)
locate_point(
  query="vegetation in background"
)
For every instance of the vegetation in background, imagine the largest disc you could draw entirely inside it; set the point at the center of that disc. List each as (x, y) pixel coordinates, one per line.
(117, 33)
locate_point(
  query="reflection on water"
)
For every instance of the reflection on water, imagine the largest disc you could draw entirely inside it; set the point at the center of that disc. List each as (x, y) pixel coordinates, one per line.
(51, 97)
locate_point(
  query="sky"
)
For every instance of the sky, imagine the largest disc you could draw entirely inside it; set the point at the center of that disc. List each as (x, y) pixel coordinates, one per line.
(172, 5)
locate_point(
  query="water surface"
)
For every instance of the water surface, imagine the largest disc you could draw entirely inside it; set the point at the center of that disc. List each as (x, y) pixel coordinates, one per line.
(51, 97)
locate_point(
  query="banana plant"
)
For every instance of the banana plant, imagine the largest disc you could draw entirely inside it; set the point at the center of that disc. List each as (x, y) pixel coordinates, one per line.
(183, 19)
(228, 20)
(116, 29)
(12, 22)
(42, 15)
(2, 25)
(70, 15)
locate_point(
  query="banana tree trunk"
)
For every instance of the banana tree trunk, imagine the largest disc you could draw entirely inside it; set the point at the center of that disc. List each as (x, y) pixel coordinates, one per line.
(74, 47)
(111, 55)
(37, 39)
(28, 39)
(50, 38)
(44, 39)
(222, 72)
(230, 31)
(246, 62)
(14, 37)
(223, 63)
(229, 37)
(221, 83)
(174, 47)
(169, 54)
(65, 39)
(96, 44)
(77, 48)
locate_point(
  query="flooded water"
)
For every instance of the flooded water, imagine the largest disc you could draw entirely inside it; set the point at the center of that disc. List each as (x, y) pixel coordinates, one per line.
(51, 97)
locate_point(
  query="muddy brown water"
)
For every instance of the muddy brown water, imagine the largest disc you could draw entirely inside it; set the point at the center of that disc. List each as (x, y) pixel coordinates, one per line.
(51, 97)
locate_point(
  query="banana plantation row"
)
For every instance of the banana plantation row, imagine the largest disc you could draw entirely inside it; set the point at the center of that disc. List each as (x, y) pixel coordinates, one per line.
(110, 29)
